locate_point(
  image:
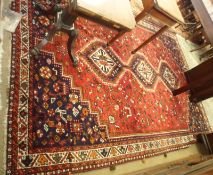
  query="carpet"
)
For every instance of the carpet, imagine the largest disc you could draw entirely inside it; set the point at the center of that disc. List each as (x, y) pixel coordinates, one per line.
(113, 108)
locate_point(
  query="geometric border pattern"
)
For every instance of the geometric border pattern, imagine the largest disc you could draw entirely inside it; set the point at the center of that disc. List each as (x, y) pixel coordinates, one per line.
(84, 158)
(44, 159)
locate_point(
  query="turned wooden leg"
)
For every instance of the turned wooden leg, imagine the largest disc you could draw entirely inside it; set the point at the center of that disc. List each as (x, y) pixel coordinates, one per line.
(70, 45)
(150, 39)
(121, 33)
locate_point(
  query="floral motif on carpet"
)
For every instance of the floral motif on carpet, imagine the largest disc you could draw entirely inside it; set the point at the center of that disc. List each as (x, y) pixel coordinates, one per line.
(113, 108)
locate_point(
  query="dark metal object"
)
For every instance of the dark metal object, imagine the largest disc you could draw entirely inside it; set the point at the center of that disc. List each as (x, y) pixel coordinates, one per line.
(65, 19)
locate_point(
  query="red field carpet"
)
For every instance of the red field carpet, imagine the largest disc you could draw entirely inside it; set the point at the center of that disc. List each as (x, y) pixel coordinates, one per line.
(114, 107)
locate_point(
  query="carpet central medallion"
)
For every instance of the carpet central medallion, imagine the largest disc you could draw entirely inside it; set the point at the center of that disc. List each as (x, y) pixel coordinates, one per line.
(144, 71)
(103, 61)
(168, 76)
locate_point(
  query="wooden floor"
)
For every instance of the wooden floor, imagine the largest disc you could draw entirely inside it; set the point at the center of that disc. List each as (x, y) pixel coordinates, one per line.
(193, 165)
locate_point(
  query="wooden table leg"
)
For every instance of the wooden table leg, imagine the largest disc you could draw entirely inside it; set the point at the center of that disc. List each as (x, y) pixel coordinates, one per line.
(180, 90)
(121, 33)
(150, 38)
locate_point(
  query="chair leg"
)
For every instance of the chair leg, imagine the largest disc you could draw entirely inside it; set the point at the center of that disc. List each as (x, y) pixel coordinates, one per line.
(150, 38)
(180, 90)
(121, 33)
